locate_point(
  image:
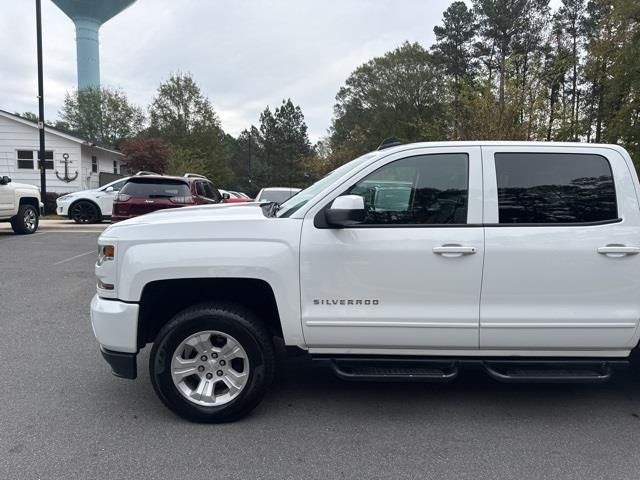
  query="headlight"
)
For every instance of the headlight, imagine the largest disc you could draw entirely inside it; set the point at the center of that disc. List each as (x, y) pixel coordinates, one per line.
(106, 253)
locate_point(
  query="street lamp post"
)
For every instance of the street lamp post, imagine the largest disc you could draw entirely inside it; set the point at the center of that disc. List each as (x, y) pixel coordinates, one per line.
(41, 156)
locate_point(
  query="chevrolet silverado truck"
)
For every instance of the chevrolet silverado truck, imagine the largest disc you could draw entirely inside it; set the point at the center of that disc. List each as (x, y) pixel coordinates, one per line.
(412, 262)
(20, 205)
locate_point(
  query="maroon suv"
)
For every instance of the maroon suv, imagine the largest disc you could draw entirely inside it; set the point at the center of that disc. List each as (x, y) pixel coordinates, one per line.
(148, 193)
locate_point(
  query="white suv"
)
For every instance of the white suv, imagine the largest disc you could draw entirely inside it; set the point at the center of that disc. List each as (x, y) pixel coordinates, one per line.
(20, 204)
(90, 206)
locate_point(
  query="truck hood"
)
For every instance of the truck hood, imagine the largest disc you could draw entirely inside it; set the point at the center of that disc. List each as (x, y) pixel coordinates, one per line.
(23, 186)
(190, 222)
(227, 223)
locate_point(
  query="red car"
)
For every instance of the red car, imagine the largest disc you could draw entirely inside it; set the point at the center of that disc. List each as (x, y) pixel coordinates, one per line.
(229, 196)
(149, 193)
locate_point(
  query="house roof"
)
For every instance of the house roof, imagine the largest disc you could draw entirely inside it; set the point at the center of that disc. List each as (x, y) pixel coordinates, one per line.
(57, 132)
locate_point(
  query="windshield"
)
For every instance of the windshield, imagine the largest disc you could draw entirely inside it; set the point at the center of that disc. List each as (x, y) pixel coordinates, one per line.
(297, 202)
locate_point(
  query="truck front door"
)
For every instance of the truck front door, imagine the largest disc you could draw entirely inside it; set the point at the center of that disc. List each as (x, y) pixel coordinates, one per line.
(408, 277)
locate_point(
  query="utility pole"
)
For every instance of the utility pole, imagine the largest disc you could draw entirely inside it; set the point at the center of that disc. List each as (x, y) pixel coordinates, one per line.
(41, 155)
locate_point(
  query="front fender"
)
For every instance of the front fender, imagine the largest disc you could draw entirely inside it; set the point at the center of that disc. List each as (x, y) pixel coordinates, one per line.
(273, 261)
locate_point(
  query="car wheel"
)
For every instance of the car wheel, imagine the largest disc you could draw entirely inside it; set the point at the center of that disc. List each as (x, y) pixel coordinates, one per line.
(85, 212)
(26, 221)
(212, 363)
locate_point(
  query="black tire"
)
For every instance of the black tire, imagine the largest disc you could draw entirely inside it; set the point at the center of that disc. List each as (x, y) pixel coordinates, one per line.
(229, 319)
(26, 221)
(84, 211)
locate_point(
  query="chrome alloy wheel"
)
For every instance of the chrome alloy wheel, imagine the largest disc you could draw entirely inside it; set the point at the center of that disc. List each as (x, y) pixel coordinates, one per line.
(210, 368)
(30, 219)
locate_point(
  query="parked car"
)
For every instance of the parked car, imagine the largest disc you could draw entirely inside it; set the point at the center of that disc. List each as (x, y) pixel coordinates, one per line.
(20, 204)
(518, 258)
(242, 195)
(276, 194)
(94, 205)
(233, 197)
(90, 206)
(149, 193)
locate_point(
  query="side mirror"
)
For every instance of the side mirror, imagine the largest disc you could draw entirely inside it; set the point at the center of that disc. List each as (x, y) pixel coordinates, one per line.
(345, 211)
(109, 189)
(4, 180)
(226, 196)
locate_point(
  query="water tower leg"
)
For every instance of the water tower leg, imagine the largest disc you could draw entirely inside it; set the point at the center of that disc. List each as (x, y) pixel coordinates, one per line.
(87, 43)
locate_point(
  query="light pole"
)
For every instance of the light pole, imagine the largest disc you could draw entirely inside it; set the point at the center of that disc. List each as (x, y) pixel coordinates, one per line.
(41, 155)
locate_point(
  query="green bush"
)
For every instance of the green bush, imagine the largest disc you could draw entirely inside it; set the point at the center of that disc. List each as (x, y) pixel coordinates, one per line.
(50, 203)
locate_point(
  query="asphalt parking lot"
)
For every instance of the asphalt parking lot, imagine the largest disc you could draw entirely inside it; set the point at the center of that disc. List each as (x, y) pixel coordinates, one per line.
(63, 415)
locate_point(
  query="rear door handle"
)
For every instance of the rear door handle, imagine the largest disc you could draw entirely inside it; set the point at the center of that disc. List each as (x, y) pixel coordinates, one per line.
(454, 250)
(618, 250)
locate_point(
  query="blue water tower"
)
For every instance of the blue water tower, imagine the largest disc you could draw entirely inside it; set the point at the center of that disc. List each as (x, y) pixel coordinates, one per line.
(88, 16)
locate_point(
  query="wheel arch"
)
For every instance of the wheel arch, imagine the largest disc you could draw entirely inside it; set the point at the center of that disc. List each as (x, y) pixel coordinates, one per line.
(161, 300)
(33, 201)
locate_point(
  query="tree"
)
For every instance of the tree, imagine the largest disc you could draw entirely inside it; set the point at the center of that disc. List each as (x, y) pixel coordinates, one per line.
(399, 94)
(454, 51)
(150, 154)
(284, 147)
(182, 116)
(571, 15)
(180, 111)
(101, 115)
(245, 152)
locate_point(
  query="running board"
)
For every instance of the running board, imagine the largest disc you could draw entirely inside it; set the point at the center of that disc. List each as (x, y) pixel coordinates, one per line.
(443, 369)
(540, 371)
(394, 370)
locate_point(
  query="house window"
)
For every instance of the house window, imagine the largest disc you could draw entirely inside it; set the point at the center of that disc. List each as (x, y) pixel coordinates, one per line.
(115, 166)
(94, 164)
(48, 159)
(25, 159)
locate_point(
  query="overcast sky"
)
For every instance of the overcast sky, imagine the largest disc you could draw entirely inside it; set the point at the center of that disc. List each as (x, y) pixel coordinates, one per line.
(244, 54)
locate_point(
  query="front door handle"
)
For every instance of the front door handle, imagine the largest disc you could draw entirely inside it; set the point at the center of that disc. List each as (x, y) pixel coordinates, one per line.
(618, 250)
(454, 250)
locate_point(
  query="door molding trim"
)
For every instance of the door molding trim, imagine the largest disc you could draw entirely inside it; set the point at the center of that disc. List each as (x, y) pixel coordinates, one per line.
(559, 325)
(338, 323)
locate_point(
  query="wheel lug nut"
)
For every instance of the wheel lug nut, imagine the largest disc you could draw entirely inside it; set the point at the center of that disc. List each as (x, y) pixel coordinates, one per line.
(214, 355)
(209, 376)
(223, 363)
(203, 358)
(201, 368)
(220, 373)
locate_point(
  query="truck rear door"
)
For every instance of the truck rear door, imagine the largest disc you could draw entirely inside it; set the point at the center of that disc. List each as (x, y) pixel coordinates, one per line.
(562, 237)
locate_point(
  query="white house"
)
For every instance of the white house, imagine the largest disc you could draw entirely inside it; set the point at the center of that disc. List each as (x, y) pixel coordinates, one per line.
(20, 144)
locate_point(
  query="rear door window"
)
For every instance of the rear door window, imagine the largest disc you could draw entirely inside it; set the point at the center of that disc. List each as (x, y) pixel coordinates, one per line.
(554, 188)
(156, 189)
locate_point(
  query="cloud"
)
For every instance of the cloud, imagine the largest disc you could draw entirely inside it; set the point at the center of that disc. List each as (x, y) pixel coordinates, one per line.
(244, 54)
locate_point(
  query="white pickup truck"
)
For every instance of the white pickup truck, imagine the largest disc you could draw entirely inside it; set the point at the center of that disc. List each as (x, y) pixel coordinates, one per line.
(20, 205)
(411, 262)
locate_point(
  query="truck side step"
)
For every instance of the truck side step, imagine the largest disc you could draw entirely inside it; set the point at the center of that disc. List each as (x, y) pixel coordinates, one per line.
(540, 371)
(443, 369)
(365, 369)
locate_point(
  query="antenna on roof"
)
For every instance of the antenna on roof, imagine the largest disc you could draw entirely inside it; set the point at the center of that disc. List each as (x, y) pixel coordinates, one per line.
(389, 142)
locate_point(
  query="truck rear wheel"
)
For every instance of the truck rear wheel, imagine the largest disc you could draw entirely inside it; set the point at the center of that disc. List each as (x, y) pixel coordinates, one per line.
(212, 363)
(26, 221)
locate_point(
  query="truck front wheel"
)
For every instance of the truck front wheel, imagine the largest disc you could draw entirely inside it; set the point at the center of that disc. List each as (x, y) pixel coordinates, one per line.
(212, 363)
(26, 221)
